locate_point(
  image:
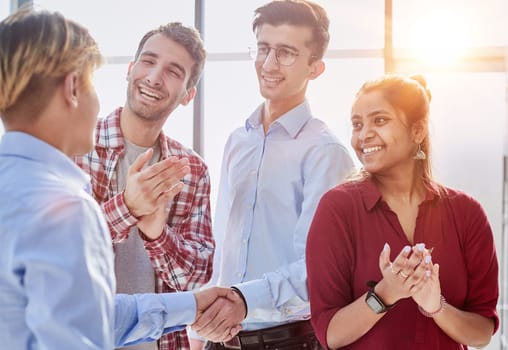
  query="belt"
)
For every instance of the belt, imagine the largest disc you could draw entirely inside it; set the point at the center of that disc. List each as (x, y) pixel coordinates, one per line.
(267, 336)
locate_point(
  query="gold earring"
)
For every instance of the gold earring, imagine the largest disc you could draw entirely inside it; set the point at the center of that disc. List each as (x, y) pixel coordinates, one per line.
(420, 154)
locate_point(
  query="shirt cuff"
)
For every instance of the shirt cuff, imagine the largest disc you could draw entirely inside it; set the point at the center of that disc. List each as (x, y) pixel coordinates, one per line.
(257, 295)
(146, 317)
(165, 242)
(118, 214)
(191, 333)
(182, 308)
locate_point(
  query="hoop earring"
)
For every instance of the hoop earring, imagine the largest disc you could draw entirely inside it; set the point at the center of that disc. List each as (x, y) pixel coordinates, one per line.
(420, 154)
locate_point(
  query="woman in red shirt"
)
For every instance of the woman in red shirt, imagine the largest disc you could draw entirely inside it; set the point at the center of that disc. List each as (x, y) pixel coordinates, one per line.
(395, 260)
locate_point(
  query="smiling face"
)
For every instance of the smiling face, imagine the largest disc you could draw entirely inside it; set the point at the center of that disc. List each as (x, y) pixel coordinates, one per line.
(157, 80)
(382, 137)
(285, 84)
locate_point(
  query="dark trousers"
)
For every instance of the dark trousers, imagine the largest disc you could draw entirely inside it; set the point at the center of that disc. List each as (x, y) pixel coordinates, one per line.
(292, 336)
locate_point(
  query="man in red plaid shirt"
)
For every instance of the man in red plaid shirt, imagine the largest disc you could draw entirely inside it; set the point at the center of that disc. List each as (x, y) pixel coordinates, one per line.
(155, 192)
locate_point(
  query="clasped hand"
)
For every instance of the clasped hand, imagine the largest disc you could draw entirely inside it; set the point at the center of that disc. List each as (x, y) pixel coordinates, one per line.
(221, 320)
(411, 274)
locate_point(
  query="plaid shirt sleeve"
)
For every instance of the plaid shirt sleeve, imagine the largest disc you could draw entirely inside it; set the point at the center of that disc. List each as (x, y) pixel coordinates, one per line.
(183, 255)
(119, 218)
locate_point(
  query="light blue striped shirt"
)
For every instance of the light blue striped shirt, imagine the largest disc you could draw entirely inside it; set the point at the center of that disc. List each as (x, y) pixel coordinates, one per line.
(56, 261)
(269, 190)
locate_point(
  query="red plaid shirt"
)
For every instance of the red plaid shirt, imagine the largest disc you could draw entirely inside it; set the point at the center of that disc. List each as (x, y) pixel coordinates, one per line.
(182, 256)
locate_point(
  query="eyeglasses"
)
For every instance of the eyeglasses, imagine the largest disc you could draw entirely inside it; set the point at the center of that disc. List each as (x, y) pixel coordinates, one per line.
(283, 55)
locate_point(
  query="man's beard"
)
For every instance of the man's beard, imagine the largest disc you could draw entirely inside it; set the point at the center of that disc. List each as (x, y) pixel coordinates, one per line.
(148, 113)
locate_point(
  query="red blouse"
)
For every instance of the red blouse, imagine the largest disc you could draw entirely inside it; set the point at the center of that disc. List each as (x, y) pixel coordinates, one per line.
(348, 232)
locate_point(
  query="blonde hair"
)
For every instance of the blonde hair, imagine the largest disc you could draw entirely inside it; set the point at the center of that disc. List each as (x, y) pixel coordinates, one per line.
(38, 49)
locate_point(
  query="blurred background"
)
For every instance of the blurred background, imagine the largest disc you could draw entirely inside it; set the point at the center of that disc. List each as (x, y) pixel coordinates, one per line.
(460, 46)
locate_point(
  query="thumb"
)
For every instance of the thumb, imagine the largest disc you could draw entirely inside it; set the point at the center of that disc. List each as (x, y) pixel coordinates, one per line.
(220, 291)
(435, 271)
(233, 296)
(141, 161)
(236, 329)
(384, 257)
(205, 297)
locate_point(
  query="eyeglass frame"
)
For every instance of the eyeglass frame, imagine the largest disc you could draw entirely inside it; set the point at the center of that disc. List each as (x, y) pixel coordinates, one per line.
(254, 54)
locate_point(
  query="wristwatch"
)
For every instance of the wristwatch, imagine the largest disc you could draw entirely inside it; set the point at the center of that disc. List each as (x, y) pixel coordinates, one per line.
(374, 301)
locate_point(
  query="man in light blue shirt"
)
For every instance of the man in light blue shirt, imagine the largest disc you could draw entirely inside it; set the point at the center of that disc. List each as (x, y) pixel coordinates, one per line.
(274, 171)
(56, 275)
(56, 260)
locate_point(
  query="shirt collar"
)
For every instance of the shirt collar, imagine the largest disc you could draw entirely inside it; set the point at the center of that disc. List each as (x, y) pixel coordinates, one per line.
(109, 134)
(371, 195)
(23, 145)
(292, 121)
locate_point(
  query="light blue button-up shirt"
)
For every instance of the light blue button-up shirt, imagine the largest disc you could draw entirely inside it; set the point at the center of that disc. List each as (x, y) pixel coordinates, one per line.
(269, 190)
(56, 261)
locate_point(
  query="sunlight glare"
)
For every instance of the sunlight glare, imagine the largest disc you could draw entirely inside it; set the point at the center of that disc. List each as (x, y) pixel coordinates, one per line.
(440, 38)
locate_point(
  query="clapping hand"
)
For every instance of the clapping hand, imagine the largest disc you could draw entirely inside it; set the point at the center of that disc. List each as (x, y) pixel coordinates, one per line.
(429, 296)
(407, 275)
(149, 189)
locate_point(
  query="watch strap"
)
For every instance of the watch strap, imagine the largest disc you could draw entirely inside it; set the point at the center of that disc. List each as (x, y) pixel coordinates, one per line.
(371, 285)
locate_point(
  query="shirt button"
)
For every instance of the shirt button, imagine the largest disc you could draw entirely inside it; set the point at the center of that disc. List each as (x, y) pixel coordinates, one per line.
(238, 274)
(253, 172)
(244, 242)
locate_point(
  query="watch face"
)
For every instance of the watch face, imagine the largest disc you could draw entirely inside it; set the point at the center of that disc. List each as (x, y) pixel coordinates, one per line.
(375, 303)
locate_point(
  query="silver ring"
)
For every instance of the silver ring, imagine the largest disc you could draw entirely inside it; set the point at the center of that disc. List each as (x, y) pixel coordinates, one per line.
(403, 274)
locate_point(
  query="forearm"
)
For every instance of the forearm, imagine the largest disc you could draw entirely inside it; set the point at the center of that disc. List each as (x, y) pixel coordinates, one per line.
(146, 317)
(278, 296)
(118, 216)
(119, 219)
(350, 323)
(183, 254)
(465, 327)
(183, 263)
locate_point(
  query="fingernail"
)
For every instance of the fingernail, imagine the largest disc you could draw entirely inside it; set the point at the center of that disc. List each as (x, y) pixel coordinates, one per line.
(427, 273)
(386, 246)
(420, 246)
(428, 259)
(407, 249)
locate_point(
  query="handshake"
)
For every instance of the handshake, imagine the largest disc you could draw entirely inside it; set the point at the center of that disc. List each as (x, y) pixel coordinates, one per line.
(219, 313)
